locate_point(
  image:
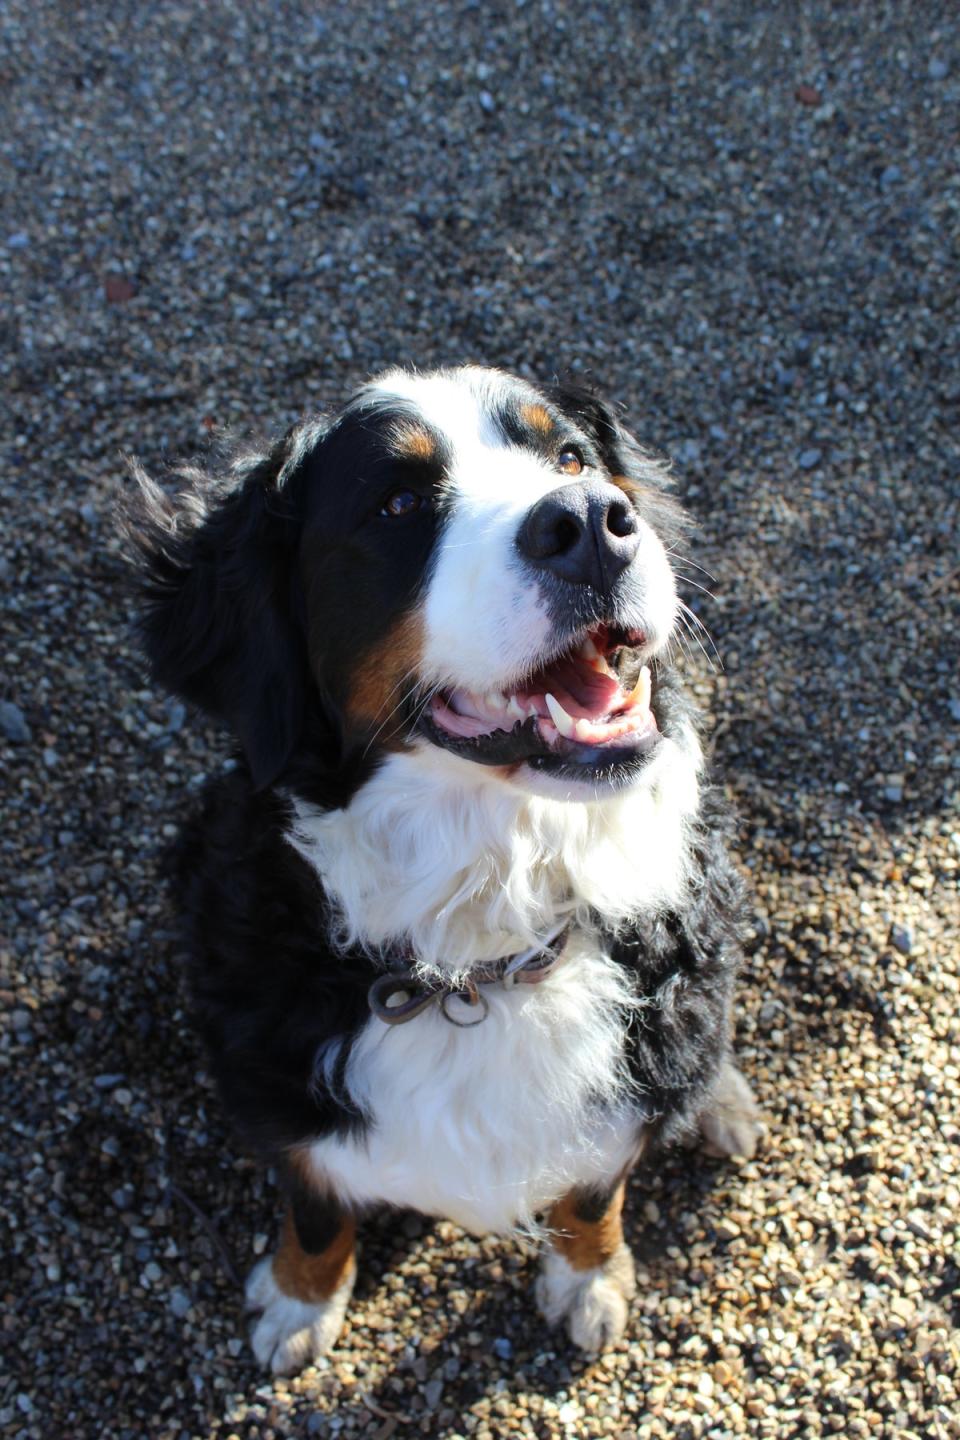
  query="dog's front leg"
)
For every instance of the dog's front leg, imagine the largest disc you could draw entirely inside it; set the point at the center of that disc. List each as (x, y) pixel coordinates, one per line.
(586, 1272)
(303, 1290)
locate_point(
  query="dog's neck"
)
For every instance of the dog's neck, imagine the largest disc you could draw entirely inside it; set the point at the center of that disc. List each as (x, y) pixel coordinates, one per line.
(459, 865)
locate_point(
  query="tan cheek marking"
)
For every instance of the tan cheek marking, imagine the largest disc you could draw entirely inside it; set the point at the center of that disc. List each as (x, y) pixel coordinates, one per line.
(415, 444)
(384, 676)
(538, 419)
(586, 1244)
(314, 1277)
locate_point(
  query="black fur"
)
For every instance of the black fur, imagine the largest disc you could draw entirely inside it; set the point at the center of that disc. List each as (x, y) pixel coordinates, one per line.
(686, 963)
(221, 616)
(261, 594)
(271, 994)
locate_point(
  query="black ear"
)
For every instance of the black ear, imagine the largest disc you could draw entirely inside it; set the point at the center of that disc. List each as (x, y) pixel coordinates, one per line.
(220, 624)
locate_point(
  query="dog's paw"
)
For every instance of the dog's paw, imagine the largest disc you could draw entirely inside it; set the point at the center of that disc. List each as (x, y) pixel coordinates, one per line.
(290, 1333)
(593, 1302)
(731, 1125)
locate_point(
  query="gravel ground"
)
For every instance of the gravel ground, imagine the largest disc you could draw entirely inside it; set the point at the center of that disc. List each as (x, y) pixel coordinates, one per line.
(742, 220)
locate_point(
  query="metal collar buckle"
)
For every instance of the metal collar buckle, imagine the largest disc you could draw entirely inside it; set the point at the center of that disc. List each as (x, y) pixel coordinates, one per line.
(402, 995)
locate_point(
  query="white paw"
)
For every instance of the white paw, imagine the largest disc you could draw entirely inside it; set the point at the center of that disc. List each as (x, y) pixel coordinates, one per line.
(593, 1302)
(731, 1125)
(292, 1333)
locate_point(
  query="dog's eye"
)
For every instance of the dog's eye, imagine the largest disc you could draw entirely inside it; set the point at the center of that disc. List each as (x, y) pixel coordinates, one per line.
(570, 461)
(401, 502)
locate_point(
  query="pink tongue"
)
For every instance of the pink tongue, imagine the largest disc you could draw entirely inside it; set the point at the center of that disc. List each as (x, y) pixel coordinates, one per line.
(584, 693)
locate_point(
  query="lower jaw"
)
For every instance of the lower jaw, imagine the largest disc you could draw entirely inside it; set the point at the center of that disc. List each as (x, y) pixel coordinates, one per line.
(614, 764)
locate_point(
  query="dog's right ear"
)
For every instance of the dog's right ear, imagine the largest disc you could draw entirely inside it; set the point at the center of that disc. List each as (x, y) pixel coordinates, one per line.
(221, 621)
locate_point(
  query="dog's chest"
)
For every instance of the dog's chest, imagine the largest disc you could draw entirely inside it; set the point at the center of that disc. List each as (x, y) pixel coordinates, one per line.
(488, 1125)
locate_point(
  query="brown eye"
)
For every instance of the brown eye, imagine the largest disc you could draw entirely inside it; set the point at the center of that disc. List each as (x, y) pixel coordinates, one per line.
(570, 461)
(401, 502)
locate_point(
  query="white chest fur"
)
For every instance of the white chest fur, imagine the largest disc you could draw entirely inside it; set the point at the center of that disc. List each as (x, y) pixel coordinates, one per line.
(464, 866)
(489, 1125)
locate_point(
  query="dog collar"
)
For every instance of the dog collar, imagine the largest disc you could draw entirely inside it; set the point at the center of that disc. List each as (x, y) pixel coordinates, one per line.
(529, 967)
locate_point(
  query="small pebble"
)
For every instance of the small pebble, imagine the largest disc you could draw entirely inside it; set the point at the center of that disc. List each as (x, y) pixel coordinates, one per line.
(12, 723)
(220, 218)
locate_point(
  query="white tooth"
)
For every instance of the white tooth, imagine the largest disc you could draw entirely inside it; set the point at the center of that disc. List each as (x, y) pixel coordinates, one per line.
(583, 730)
(640, 694)
(532, 711)
(564, 722)
(515, 710)
(590, 650)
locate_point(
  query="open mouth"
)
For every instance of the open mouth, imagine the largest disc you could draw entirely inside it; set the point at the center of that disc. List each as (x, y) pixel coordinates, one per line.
(587, 711)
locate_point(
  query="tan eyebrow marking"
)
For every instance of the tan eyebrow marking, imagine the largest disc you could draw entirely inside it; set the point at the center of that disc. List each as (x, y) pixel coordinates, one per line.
(415, 443)
(538, 418)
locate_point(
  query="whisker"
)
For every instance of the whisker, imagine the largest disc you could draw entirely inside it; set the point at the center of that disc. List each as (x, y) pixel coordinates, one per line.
(697, 586)
(407, 675)
(696, 639)
(695, 618)
(687, 561)
(399, 705)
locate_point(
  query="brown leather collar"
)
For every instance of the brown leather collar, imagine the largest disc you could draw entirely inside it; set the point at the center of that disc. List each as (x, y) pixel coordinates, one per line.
(528, 968)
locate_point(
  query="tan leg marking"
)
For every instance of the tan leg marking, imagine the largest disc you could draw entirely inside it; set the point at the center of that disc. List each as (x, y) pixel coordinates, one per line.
(587, 1244)
(313, 1278)
(586, 1272)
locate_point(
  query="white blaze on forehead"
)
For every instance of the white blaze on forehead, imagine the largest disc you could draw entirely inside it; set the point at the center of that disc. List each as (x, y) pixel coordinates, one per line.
(486, 624)
(484, 618)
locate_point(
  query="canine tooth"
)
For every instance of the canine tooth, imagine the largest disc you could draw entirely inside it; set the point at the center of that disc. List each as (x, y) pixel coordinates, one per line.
(590, 650)
(565, 723)
(583, 730)
(640, 694)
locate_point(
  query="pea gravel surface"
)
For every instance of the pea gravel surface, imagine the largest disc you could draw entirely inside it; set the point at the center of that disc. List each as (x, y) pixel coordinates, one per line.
(742, 222)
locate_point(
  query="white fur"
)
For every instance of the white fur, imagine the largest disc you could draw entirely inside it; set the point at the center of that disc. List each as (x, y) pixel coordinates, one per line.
(465, 865)
(486, 625)
(291, 1333)
(592, 1302)
(489, 1125)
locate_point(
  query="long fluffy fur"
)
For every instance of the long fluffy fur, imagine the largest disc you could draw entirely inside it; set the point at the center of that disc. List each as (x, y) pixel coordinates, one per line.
(331, 851)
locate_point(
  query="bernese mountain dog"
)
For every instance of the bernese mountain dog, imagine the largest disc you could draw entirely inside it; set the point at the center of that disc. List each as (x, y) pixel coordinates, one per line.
(464, 927)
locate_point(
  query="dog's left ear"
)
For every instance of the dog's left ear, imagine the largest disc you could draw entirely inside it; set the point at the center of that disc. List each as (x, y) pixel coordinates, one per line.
(221, 624)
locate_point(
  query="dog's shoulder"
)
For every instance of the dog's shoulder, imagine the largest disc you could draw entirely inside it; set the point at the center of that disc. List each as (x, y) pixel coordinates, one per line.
(269, 992)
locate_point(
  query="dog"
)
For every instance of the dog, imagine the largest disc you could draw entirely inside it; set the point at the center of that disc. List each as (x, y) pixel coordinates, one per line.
(465, 929)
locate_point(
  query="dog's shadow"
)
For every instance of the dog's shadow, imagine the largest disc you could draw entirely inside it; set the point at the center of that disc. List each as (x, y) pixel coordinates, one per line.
(482, 1336)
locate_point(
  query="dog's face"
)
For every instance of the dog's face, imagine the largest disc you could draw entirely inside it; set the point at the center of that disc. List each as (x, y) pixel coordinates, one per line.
(460, 560)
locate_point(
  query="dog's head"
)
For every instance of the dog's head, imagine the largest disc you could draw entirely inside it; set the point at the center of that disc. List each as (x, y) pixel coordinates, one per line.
(460, 559)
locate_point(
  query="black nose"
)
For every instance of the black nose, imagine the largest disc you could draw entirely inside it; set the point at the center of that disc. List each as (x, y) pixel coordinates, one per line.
(586, 534)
